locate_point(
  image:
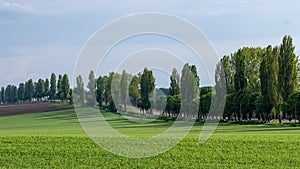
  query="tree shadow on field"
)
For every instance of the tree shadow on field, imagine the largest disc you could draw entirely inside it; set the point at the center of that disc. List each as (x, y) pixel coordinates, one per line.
(58, 115)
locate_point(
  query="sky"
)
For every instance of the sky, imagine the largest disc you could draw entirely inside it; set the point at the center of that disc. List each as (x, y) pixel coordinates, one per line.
(39, 37)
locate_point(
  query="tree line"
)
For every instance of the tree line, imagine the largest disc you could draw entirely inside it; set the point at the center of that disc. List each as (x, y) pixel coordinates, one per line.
(41, 90)
(116, 90)
(260, 83)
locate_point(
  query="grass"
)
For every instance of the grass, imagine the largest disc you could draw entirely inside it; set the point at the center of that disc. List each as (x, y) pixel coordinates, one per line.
(56, 140)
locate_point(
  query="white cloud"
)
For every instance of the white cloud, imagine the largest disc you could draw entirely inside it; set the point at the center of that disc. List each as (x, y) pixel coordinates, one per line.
(9, 9)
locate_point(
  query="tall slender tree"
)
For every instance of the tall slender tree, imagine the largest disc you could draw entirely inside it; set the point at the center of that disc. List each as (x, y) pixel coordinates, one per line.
(79, 90)
(124, 88)
(100, 85)
(30, 90)
(175, 83)
(189, 91)
(92, 87)
(47, 88)
(147, 84)
(134, 90)
(52, 92)
(287, 79)
(21, 92)
(65, 87)
(40, 89)
(269, 83)
(2, 95)
(59, 87)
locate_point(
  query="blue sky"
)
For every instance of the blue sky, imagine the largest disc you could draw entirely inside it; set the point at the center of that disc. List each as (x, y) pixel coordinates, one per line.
(38, 37)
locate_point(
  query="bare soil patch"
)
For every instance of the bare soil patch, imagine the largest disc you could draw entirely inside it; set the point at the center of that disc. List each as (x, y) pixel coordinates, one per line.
(26, 108)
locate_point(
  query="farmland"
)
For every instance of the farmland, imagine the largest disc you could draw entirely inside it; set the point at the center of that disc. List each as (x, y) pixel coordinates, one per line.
(56, 140)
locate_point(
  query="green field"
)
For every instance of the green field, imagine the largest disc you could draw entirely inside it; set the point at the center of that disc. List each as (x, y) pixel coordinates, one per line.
(56, 140)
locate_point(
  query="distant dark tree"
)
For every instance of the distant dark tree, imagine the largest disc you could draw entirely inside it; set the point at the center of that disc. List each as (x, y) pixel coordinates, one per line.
(47, 88)
(100, 90)
(2, 95)
(71, 96)
(40, 89)
(21, 92)
(14, 94)
(175, 83)
(59, 87)
(29, 90)
(65, 88)
(52, 92)
(8, 91)
(35, 93)
(1, 102)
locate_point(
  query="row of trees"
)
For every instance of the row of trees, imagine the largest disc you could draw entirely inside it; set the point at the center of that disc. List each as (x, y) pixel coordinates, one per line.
(53, 89)
(261, 83)
(116, 91)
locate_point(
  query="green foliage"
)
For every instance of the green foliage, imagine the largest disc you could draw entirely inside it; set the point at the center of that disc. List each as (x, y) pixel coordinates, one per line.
(65, 87)
(11, 95)
(239, 59)
(292, 106)
(52, 92)
(124, 83)
(2, 95)
(147, 84)
(59, 87)
(287, 68)
(134, 90)
(29, 90)
(189, 91)
(21, 92)
(47, 88)
(91, 97)
(79, 92)
(228, 69)
(100, 83)
(174, 84)
(40, 89)
(205, 102)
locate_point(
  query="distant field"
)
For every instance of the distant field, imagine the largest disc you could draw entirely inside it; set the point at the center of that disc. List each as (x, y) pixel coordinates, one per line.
(25, 108)
(56, 140)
